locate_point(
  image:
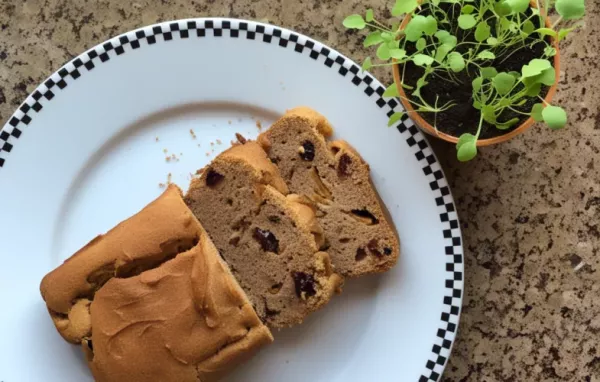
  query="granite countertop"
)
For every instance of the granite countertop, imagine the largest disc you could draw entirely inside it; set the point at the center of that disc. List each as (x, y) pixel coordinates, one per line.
(530, 208)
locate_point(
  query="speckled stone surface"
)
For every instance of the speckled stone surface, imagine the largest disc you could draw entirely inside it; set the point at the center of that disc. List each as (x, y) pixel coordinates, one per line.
(530, 208)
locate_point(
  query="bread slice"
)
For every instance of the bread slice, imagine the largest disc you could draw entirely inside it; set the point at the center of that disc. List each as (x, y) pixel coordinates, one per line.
(269, 239)
(359, 234)
(153, 300)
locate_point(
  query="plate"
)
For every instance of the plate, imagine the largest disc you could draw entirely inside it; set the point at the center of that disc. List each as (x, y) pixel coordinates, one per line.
(94, 143)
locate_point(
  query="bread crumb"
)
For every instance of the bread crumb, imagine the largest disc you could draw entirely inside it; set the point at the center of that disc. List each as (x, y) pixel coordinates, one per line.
(169, 181)
(258, 125)
(192, 134)
(200, 171)
(218, 142)
(240, 138)
(168, 159)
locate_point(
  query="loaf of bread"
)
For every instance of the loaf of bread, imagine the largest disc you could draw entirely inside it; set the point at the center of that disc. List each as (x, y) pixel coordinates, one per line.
(359, 234)
(153, 300)
(269, 239)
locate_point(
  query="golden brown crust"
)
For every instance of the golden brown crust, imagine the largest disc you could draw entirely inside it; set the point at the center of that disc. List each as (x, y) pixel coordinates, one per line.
(154, 317)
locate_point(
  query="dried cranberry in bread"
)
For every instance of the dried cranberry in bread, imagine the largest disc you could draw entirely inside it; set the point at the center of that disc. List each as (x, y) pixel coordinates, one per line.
(269, 239)
(153, 300)
(360, 236)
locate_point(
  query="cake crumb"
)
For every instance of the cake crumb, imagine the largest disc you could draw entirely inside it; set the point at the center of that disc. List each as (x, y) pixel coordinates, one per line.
(258, 124)
(212, 143)
(156, 139)
(161, 185)
(218, 142)
(165, 151)
(168, 159)
(169, 179)
(208, 153)
(192, 134)
(229, 122)
(240, 138)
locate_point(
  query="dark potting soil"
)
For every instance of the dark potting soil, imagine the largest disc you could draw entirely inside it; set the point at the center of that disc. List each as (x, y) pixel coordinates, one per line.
(463, 117)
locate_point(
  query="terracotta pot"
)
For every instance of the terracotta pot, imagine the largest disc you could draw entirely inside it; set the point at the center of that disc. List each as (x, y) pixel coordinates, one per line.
(424, 125)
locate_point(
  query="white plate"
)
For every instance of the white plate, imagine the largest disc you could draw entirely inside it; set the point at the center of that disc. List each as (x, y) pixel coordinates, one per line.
(81, 154)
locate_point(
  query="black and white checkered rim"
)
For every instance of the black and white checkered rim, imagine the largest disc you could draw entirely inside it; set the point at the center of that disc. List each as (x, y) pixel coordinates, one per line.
(319, 54)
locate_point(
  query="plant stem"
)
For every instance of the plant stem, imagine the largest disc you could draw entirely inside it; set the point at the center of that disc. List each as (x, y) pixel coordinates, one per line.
(479, 128)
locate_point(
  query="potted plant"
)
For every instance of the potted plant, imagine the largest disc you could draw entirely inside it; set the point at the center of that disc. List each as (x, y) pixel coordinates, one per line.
(472, 72)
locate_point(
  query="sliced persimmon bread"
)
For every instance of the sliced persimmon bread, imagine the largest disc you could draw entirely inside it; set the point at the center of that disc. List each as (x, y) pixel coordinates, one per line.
(360, 235)
(153, 300)
(269, 239)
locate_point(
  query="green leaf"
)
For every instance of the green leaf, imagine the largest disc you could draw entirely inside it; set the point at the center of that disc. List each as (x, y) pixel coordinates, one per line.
(420, 83)
(493, 41)
(391, 91)
(507, 124)
(502, 8)
(394, 44)
(421, 44)
(404, 6)
(467, 9)
(383, 52)
(398, 54)
(395, 118)
(518, 6)
(467, 151)
(547, 32)
(486, 55)
(369, 16)
(570, 9)
(536, 112)
(456, 62)
(555, 117)
(415, 28)
(489, 72)
(535, 67)
(354, 22)
(533, 90)
(550, 51)
(465, 138)
(548, 77)
(482, 32)
(477, 104)
(477, 84)
(373, 38)
(503, 83)
(446, 38)
(564, 32)
(422, 59)
(489, 114)
(387, 36)
(442, 51)
(430, 26)
(466, 21)
(368, 64)
(528, 27)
